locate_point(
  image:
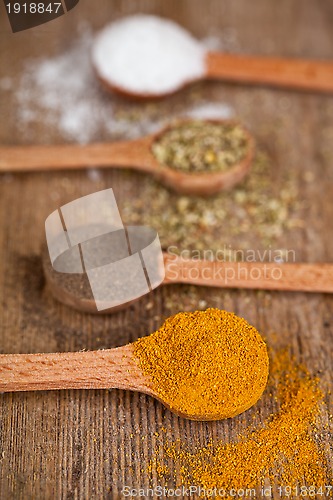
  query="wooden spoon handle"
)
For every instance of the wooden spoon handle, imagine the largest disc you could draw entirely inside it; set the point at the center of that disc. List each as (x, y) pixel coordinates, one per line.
(280, 72)
(110, 368)
(134, 154)
(252, 275)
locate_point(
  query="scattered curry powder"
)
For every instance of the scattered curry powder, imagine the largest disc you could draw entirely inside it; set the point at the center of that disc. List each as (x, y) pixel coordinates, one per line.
(284, 451)
(205, 365)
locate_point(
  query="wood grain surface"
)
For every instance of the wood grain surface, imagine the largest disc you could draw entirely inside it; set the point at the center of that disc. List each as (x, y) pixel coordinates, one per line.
(89, 444)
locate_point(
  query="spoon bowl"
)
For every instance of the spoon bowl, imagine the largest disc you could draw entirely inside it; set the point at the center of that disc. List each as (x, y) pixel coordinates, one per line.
(130, 95)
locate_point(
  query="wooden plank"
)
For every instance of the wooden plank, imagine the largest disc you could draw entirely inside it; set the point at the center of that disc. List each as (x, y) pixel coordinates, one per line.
(89, 444)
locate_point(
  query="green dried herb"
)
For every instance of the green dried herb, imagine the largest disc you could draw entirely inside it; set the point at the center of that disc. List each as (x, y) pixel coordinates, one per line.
(200, 146)
(256, 214)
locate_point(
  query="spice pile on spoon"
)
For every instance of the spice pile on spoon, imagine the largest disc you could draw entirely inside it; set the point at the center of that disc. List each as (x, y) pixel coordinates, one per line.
(209, 363)
(147, 55)
(197, 146)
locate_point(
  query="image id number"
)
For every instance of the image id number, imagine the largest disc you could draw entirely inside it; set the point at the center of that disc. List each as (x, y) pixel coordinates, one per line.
(33, 8)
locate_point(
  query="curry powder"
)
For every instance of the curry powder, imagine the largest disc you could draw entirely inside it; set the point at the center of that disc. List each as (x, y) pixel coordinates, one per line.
(286, 455)
(206, 365)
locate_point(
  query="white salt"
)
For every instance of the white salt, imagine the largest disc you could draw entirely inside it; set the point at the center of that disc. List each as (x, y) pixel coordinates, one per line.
(63, 94)
(94, 174)
(58, 98)
(148, 55)
(211, 111)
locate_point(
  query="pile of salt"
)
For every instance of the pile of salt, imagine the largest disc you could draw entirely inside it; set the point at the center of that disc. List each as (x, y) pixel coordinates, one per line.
(147, 55)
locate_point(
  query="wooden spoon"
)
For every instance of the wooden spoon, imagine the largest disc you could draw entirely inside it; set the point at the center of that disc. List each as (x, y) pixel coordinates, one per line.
(298, 74)
(74, 289)
(276, 71)
(116, 368)
(104, 369)
(135, 154)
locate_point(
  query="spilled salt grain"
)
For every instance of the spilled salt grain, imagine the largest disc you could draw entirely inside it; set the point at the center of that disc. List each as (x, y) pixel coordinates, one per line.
(210, 111)
(58, 98)
(147, 55)
(62, 93)
(94, 174)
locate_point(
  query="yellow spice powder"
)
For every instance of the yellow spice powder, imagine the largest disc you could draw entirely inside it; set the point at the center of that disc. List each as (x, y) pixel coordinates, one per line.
(283, 451)
(206, 364)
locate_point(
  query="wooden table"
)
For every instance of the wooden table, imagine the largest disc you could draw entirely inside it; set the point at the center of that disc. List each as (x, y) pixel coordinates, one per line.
(89, 444)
